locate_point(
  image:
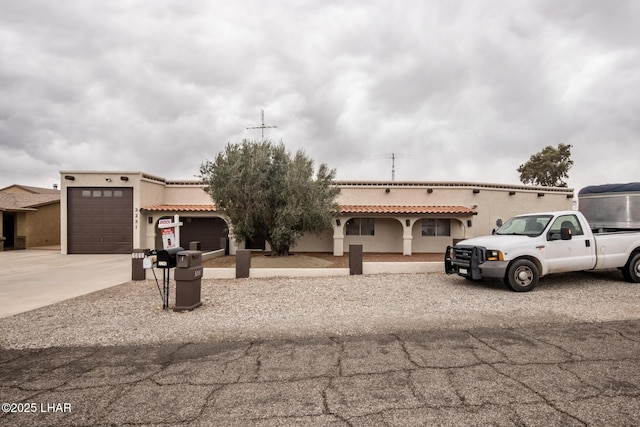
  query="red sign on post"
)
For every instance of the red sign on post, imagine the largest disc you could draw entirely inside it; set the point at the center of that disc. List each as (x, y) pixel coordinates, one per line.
(170, 232)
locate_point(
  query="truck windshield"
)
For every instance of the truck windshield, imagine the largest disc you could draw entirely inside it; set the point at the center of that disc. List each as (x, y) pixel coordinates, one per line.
(530, 225)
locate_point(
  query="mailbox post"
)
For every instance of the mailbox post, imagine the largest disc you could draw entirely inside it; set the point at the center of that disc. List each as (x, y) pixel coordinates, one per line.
(188, 278)
(166, 260)
(137, 264)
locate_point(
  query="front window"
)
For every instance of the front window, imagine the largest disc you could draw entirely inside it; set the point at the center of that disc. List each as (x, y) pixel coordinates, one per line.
(530, 225)
(436, 227)
(360, 227)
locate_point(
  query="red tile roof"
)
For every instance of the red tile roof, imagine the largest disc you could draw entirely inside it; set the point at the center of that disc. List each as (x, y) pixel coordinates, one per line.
(360, 209)
(181, 208)
(412, 210)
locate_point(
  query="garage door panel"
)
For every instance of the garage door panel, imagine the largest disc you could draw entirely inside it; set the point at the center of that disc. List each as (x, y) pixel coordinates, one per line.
(99, 222)
(207, 231)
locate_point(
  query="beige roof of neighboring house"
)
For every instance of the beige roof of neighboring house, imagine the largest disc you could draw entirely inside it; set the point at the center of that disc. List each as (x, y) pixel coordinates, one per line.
(22, 198)
(17, 188)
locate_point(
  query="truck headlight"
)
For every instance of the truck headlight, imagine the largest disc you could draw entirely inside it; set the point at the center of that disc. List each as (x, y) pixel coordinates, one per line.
(494, 255)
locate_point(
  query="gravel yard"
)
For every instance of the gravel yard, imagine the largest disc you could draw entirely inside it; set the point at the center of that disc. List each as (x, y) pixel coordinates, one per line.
(234, 309)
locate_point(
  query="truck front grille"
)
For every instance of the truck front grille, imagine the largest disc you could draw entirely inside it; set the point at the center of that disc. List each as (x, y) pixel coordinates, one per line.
(463, 253)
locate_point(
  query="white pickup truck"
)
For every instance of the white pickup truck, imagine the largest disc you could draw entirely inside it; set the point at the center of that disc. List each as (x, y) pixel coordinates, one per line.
(527, 247)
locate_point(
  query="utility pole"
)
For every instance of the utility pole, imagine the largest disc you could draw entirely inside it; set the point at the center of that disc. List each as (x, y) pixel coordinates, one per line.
(262, 127)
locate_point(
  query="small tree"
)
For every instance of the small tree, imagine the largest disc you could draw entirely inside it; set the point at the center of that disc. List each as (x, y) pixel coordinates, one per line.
(262, 188)
(549, 167)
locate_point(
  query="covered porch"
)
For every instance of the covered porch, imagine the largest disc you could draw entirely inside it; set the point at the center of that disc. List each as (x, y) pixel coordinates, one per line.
(400, 229)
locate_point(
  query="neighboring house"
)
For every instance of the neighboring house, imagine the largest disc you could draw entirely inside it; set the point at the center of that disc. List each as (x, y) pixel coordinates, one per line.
(30, 217)
(115, 212)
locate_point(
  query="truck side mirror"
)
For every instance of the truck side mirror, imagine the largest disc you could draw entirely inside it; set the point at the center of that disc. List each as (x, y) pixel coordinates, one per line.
(499, 222)
(565, 233)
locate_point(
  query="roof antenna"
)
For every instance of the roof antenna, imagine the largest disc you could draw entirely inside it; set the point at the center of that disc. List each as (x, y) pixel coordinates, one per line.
(393, 166)
(393, 158)
(262, 127)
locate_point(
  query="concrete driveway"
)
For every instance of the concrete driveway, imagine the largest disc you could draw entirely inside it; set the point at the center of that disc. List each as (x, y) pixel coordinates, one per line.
(30, 279)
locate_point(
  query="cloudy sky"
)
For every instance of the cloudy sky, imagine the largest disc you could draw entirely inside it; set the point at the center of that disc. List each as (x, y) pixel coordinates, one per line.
(455, 90)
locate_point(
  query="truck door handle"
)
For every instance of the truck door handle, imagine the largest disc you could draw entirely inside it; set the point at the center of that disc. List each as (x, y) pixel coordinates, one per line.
(587, 243)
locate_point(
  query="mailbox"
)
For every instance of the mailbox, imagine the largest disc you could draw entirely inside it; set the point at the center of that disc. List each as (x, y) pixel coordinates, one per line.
(188, 274)
(167, 258)
(187, 259)
(188, 280)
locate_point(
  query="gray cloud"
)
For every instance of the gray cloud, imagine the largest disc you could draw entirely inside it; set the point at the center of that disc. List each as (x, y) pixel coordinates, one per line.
(463, 91)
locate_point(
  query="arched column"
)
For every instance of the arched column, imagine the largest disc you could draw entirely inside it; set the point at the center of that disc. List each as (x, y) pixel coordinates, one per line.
(407, 235)
(338, 236)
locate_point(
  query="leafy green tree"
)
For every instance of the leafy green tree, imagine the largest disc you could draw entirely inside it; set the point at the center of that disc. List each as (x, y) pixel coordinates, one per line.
(550, 167)
(263, 189)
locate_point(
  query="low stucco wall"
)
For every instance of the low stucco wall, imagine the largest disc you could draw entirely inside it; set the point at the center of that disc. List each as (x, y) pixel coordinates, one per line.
(367, 268)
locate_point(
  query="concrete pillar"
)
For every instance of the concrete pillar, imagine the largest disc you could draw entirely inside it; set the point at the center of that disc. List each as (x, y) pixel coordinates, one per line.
(233, 244)
(338, 237)
(243, 263)
(338, 246)
(406, 245)
(355, 259)
(407, 236)
(137, 269)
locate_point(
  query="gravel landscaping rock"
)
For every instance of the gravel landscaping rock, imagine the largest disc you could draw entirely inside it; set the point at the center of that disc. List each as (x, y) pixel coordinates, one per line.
(238, 309)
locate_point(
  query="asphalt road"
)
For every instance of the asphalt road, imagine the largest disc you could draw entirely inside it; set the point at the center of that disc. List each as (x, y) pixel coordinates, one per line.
(565, 375)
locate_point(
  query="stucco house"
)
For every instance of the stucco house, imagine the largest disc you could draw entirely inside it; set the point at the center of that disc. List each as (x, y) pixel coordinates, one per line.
(114, 212)
(30, 217)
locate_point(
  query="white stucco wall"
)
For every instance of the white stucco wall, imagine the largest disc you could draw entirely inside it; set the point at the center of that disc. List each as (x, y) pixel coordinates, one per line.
(186, 193)
(489, 201)
(314, 243)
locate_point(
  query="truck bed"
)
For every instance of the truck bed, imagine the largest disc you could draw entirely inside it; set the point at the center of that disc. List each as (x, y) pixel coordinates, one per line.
(612, 248)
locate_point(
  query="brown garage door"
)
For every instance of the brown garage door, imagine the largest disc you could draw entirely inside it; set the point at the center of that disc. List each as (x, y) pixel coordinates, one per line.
(99, 220)
(207, 231)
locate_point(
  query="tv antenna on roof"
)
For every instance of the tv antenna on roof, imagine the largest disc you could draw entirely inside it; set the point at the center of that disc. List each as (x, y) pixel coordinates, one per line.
(393, 166)
(262, 127)
(392, 157)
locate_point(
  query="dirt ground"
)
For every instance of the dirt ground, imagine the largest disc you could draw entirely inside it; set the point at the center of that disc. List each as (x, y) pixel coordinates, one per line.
(317, 260)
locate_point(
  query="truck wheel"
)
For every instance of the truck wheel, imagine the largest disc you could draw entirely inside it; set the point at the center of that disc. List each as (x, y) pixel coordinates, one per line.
(522, 275)
(631, 271)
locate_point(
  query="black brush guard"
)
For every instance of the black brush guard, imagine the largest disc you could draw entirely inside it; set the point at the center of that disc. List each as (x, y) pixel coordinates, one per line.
(474, 256)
